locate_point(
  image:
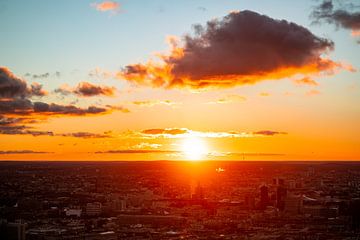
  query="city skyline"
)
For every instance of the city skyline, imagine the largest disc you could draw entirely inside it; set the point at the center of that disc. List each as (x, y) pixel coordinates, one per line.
(170, 80)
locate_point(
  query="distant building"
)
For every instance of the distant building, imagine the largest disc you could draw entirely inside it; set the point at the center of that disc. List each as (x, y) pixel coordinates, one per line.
(12, 230)
(293, 204)
(281, 193)
(73, 212)
(93, 209)
(264, 196)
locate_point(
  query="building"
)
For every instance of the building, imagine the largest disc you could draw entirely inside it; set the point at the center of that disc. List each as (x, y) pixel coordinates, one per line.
(293, 204)
(12, 230)
(264, 196)
(93, 209)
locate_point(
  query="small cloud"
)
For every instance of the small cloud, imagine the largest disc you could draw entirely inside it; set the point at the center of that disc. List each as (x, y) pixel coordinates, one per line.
(268, 133)
(145, 145)
(306, 81)
(118, 108)
(37, 90)
(86, 89)
(264, 94)
(203, 9)
(313, 92)
(229, 99)
(150, 103)
(107, 6)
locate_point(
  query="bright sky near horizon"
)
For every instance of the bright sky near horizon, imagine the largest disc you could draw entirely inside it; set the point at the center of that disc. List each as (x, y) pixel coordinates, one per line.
(190, 79)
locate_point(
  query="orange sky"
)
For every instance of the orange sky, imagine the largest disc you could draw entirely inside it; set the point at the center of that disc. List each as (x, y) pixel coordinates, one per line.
(240, 85)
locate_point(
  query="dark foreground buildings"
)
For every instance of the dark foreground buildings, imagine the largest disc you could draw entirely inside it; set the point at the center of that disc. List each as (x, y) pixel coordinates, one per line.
(179, 200)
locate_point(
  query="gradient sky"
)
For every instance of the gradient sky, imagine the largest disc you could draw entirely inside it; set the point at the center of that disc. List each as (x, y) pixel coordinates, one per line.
(79, 51)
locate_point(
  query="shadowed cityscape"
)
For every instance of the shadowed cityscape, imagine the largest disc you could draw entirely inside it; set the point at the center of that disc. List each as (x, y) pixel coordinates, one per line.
(179, 200)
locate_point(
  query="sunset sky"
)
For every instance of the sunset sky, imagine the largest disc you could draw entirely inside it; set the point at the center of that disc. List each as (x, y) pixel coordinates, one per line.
(179, 80)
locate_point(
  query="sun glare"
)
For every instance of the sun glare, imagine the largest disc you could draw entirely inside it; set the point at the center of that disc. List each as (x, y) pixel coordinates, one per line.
(194, 148)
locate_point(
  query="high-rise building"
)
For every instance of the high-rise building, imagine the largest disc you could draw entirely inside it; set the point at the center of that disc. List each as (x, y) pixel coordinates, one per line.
(12, 230)
(93, 209)
(264, 196)
(281, 193)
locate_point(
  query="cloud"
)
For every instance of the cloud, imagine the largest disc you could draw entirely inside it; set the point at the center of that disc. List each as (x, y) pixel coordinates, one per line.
(242, 48)
(22, 130)
(306, 81)
(56, 109)
(37, 90)
(264, 94)
(132, 151)
(27, 107)
(118, 108)
(184, 132)
(44, 75)
(165, 131)
(22, 152)
(150, 103)
(313, 92)
(86, 89)
(229, 99)
(341, 17)
(107, 6)
(11, 86)
(145, 145)
(85, 135)
(268, 133)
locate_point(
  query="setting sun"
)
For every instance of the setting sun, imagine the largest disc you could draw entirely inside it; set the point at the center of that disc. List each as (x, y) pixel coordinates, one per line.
(194, 148)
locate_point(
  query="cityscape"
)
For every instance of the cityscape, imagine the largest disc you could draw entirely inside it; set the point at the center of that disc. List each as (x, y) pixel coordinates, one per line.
(179, 200)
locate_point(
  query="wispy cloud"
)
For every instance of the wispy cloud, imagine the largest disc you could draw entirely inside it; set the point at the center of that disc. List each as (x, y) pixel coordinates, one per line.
(150, 103)
(306, 81)
(229, 99)
(342, 16)
(135, 151)
(184, 132)
(22, 152)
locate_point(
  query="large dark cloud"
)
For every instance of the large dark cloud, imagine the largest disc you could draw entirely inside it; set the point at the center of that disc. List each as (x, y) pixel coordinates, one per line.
(242, 48)
(27, 107)
(12, 86)
(341, 16)
(54, 109)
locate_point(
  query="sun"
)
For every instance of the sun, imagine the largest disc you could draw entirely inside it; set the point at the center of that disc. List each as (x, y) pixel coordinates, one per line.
(194, 148)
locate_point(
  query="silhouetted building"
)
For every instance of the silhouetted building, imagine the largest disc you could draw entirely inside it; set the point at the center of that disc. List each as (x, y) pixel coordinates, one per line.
(12, 230)
(93, 209)
(264, 196)
(281, 193)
